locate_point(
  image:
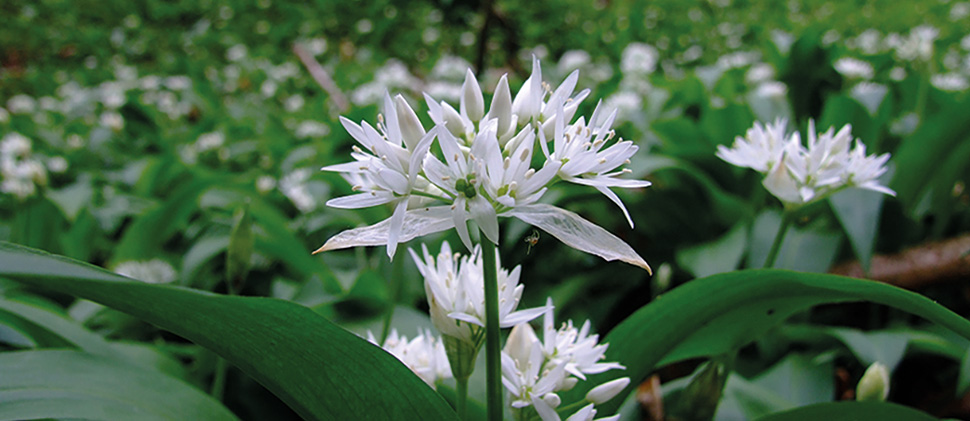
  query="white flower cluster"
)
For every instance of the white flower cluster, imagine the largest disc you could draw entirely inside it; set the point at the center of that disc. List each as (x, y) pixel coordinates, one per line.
(455, 287)
(534, 370)
(485, 169)
(424, 355)
(155, 271)
(797, 174)
(20, 171)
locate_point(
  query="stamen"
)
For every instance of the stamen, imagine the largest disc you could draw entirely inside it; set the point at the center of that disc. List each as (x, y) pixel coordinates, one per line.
(356, 149)
(525, 155)
(446, 178)
(626, 171)
(529, 173)
(505, 164)
(602, 160)
(357, 188)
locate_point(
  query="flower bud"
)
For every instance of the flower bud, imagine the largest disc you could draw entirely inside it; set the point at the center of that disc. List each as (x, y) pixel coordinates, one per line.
(411, 129)
(552, 399)
(606, 391)
(501, 108)
(874, 385)
(528, 101)
(452, 119)
(472, 102)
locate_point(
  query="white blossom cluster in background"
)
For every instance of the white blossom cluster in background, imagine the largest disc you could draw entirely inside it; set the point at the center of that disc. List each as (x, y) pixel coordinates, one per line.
(798, 174)
(21, 171)
(424, 354)
(485, 170)
(155, 271)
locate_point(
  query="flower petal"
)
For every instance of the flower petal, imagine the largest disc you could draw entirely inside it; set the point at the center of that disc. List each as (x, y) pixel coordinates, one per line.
(359, 200)
(417, 222)
(579, 233)
(394, 232)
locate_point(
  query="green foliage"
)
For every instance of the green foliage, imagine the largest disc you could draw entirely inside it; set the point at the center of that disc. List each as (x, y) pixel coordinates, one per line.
(319, 369)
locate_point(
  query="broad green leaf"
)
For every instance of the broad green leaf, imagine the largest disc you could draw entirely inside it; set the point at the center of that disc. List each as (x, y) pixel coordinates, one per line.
(850, 411)
(75, 384)
(721, 313)
(317, 368)
(718, 256)
(858, 212)
(50, 329)
(802, 249)
(872, 347)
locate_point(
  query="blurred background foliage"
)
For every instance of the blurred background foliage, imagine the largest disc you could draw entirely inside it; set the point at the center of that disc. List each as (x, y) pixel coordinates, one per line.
(132, 132)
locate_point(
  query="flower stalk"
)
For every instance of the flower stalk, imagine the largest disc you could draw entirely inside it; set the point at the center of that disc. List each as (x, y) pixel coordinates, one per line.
(493, 346)
(786, 219)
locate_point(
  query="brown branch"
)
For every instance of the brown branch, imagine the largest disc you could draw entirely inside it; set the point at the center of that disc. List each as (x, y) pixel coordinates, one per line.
(917, 267)
(322, 78)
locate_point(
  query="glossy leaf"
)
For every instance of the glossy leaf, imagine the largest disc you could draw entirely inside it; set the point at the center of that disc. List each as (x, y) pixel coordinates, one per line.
(75, 384)
(721, 313)
(317, 368)
(850, 411)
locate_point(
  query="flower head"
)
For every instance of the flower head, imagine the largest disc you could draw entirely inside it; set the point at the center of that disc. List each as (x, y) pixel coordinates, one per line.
(533, 370)
(456, 293)
(424, 354)
(798, 174)
(484, 170)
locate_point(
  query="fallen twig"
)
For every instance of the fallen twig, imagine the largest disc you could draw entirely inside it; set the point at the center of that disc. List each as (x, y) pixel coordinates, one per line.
(917, 267)
(322, 78)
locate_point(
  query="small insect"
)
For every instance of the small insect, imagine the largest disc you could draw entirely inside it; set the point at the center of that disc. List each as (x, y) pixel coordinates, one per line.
(532, 240)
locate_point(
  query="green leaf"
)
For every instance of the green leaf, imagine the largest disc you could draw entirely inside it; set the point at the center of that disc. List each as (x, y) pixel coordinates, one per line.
(721, 313)
(858, 210)
(317, 368)
(802, 249)
(795, 381)
(850, 411)
(718, 256)
(75, 384)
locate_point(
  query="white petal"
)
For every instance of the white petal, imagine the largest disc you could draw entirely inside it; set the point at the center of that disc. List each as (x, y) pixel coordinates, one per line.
(501, 107)
(390, 121)
(418, 152)
(612, 196)
(460, 221)
(484, 215)
(546, 413)
(360, 200)
(465, 317)
(584, 414)
(472, 102)
(417, 222)
(411, 128)
(522, 316)
(394, 232)
(579, 233)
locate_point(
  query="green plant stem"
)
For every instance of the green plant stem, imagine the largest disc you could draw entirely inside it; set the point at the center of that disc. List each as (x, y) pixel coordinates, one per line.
(493, 362)
(394, 292)
(461, 398)
(786, 219)
(219, 381)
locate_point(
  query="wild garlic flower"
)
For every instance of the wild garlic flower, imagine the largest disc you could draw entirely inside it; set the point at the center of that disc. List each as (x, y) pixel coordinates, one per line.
(484, 170)
(455, 287)
(534, 370)
(424, 355)
(798, 174)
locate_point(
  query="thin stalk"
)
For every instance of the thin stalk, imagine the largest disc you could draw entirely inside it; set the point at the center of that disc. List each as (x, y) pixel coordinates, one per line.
(493, 362)
(786, 218)
(219, 382)
(462, 398)
(394, 292)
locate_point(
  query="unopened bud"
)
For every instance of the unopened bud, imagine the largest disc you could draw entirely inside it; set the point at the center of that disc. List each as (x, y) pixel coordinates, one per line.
(606, 391)
(874, 385)
(411, 129)
(552, 399)
(472, 101)
(501, 108)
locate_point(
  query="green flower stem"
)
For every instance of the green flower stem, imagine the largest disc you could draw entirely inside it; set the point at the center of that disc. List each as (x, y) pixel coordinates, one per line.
(786, 218)
(493, 361)
(394, 292)
(219, 381)
(462, 397)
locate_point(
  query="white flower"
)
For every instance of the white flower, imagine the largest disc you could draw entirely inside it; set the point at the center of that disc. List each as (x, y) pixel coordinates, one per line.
(870, 95)
(388, 165)
(155, 271)
(534, 370)
(851, 67)
(455, 288)
(424, 355)
(953, 82)
(484, 170)
(638, 58)
(760, 149)
(797, 174)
